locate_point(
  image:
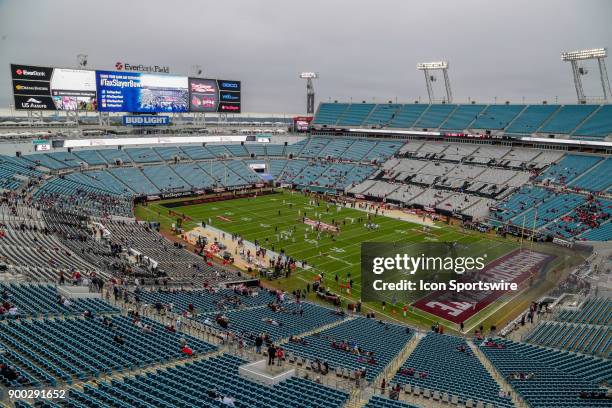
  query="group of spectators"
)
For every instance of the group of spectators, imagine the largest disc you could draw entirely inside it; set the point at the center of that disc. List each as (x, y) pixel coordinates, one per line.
(7, 308)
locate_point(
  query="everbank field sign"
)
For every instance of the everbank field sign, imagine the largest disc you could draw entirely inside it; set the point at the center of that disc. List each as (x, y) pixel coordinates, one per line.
(126, 66)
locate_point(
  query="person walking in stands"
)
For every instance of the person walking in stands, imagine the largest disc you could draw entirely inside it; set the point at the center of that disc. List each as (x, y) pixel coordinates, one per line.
(383, 385)
(271, 354)
(258, 344)
(280, 355)
(62, 278)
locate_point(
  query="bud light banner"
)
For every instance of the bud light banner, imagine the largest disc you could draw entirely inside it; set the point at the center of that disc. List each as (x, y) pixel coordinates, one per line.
(145, 120)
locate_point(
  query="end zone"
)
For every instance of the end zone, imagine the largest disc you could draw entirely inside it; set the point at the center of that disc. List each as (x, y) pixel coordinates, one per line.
(517, 267)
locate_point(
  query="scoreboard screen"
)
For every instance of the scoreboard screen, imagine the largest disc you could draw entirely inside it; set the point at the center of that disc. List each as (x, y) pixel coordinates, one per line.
(141, 93)
(48, 88)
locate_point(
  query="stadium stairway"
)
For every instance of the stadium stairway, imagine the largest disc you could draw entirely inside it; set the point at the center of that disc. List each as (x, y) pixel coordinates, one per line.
(497, 376)
(361, 396)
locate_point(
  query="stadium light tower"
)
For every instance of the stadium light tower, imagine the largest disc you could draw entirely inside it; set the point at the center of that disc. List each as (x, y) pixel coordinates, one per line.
(574, 58)
(310, 92)
(427, 67)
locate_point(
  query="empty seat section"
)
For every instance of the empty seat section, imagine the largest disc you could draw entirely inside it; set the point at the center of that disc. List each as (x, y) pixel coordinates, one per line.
(355, 114)
(170, 153)
(407, 115)
(382, 151)
(277, 324)
(237, 150)
(276, 167)
(275, 150)
(556, 378)
(567, 118)
(197, 152)
(165, 179)
(256, 149)
(218, 150)
(530, 120)
(68, 159)
(41, 159)
(142, 155)
(434, 116)
(381, 115)
(90, 157)
(428, 368)
(329, 113)
(497, 117)
(337, 345)
(135, 180)
(569, 168)
(596, 179)
(597, 126)
(462, 117)
(188, 385)
(193, 174)
(113, 156)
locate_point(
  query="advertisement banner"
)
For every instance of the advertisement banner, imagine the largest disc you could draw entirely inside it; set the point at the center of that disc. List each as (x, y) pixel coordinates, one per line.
(229, 96)
(34, 102)
(31, 72)
(145, 120)
(141, 93)
(301, 123)
(21, 87)
(45, 88)
(203, 95)
(227, 85)
(225, 107)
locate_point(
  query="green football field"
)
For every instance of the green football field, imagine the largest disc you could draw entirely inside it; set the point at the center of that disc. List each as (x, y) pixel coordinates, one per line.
(270, 217)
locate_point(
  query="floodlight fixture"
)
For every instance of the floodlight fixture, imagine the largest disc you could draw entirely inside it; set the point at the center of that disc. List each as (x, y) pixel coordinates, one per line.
(309, 75)
(574, 58)
(432, 65)
(584, 54)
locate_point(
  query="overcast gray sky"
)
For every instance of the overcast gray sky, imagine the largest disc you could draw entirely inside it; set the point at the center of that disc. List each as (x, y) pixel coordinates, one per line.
(362, 49)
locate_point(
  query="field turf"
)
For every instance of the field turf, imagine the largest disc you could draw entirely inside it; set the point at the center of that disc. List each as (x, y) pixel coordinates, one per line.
(269, 216)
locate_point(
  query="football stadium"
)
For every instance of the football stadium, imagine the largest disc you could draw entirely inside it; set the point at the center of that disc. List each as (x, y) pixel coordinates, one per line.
(173, 238)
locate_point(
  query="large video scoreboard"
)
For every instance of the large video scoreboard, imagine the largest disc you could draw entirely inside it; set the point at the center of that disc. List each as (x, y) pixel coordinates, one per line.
(47, 88)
